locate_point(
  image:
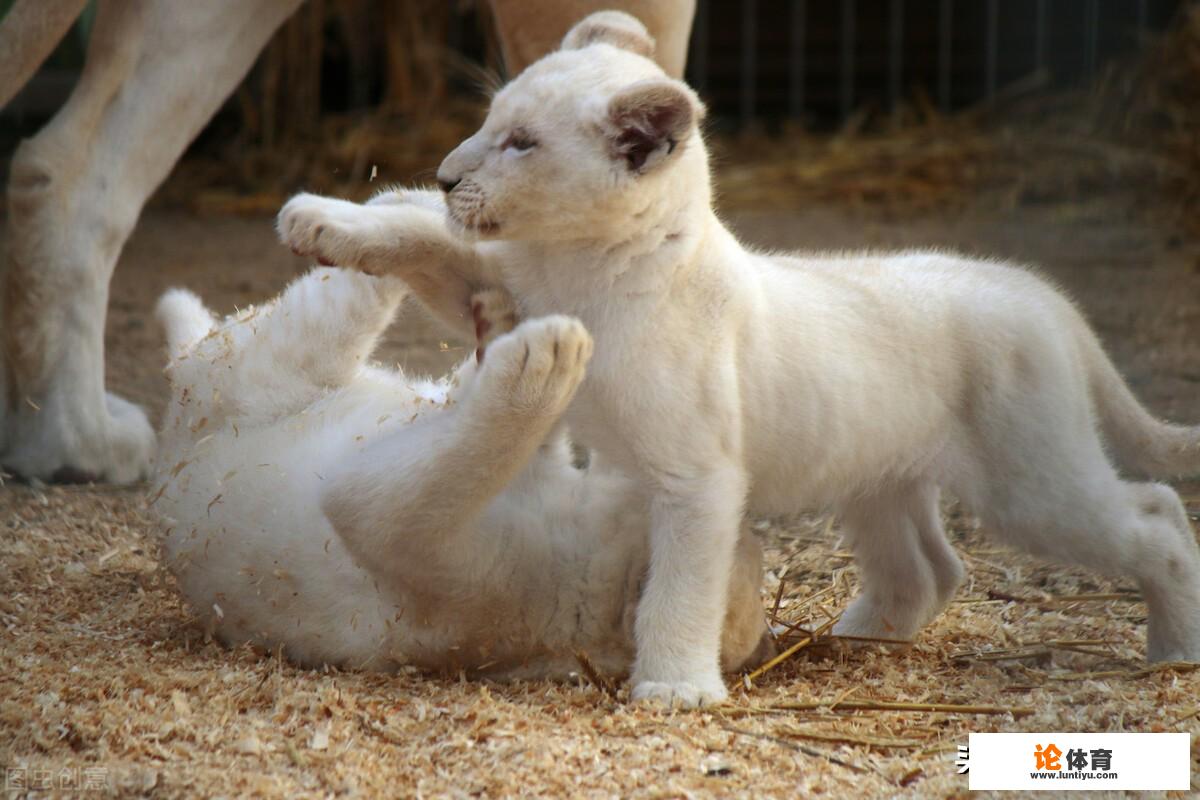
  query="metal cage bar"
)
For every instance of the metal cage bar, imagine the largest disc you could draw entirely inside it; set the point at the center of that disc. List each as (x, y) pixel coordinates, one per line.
(945, 37)
(1091, 27)
(991, 48)
(895, 53)
(1040, 34)
(749, 60)
(849, 19)
(698, 48)
(798, 41)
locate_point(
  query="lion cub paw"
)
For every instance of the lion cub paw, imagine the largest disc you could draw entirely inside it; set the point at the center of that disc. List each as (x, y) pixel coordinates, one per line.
(679, 694)
(327, 230)
(537, 368)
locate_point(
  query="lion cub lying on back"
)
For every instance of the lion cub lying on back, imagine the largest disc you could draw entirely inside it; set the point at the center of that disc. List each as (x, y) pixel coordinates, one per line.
(359, 518)
(725, 378)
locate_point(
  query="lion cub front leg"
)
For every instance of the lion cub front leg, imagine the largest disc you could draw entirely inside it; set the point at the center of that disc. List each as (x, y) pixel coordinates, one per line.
(399, 233)
(695, 521)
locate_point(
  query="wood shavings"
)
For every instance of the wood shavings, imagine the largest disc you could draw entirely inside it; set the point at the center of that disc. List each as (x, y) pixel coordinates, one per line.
(593, 675)
(788, 653)
(137, 672)
(319, 739)
(794, 732)
(248, 746)
(883, 705)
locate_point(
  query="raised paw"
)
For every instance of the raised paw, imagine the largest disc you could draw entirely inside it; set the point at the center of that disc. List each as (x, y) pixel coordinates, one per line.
(679, 694)
(327, 230)
(495, 314)
(537, 368)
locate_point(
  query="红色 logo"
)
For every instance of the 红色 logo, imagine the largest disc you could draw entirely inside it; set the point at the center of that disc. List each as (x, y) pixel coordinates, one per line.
(1048, 758)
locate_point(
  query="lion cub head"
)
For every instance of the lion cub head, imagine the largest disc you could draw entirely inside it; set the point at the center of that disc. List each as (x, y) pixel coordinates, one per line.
(582, 144)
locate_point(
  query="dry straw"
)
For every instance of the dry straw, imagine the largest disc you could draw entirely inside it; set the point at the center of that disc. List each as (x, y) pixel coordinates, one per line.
(110, 671)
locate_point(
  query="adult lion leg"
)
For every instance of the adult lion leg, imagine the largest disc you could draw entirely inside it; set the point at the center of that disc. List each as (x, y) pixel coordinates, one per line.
(156, 72)
(28, 32)
(529, 30)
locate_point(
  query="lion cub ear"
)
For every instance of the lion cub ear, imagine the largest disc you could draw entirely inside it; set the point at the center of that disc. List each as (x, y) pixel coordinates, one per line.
(648, 121)
(611, 27)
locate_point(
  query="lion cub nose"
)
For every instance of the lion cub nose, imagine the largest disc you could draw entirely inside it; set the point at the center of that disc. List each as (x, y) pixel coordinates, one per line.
(448, 184)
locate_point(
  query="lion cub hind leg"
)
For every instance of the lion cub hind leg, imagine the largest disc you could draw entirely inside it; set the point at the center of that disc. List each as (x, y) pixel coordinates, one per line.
(326, 324)
(909, 571)
(1173, 597)
(1085, 514)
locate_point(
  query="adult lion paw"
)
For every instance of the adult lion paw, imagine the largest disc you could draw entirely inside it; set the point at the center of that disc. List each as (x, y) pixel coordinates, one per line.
(71, 441)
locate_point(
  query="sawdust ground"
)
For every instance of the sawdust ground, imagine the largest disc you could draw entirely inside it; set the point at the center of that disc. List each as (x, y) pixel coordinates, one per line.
(102, 671)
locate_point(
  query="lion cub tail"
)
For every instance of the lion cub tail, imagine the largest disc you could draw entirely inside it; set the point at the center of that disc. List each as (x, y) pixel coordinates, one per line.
(1137, 441)
(184, 319)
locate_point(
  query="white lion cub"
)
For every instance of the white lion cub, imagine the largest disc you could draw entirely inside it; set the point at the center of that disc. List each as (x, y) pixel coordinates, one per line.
(356, 517)
(724, 377)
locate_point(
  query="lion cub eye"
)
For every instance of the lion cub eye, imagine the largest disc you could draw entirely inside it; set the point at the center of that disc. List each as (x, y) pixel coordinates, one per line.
(519, 140)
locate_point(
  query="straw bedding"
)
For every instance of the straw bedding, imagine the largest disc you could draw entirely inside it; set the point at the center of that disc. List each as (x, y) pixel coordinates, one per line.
(105, 670)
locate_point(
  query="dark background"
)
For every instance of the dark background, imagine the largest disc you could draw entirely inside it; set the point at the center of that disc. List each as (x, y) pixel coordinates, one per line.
(759, 62)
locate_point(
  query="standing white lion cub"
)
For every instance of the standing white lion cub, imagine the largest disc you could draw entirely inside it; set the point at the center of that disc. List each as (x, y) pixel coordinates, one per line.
(725, 377)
